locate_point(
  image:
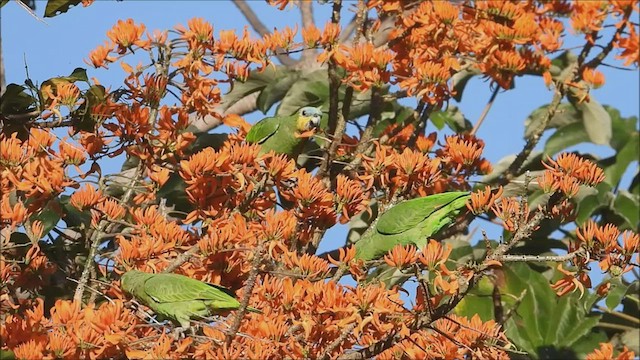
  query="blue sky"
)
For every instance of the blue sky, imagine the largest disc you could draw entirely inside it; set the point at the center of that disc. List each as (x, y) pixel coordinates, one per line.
(56, 48)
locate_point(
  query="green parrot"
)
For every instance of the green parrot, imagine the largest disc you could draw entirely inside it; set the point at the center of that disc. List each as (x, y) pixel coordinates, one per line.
(287, 134)
(178, 297)
(410, 222)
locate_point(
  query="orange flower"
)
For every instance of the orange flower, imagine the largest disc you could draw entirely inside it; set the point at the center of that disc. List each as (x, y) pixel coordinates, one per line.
(31, 349)
(200, 32)
(37, 229)
(112, 209)
(65, 312)
(40, 140)
(160, 175)
(311, 36)
(61, 345)
(434, 255)
(71, 154)
(401, 256)
(606, 352)
(310, 266)
(99, 57)
(482, 201)
(86, 197)
(126, 34)
(350, 198)
(345, 256)
(571, 282)
(13, 215)
(461, 152)
(631, 242)
(570, 164)
(630, 47)
(11, 153)
(593, 77)
(508, 210)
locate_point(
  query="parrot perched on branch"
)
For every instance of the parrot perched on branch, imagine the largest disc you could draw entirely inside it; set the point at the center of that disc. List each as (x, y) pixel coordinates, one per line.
(178, 297)
(285, 134)
(410, 222)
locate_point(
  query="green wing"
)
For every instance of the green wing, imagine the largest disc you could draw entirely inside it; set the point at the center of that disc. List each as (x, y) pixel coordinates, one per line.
(263, 130)
(409, 214)
(167, 288)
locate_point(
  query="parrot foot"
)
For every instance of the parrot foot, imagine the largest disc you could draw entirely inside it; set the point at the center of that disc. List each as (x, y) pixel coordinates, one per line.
(179, 332)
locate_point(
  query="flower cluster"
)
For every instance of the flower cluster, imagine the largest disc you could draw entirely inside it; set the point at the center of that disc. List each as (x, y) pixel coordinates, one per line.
(614, 251)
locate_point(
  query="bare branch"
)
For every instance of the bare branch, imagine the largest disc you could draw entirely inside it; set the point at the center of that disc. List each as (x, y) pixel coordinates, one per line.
(540, 258)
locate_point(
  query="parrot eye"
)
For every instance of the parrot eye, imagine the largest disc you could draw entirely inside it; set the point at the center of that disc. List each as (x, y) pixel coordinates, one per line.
(304, 113)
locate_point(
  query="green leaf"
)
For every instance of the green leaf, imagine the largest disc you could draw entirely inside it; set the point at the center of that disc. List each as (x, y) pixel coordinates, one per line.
(19, 238)
(361, 222)
(627, 205)
(83, 118)
(461, 250)
(460, 80)
(257, 81)
(586, 208)
(73, 217)
(566, 114)
(565, 322)
(205, 140)
(453, 118)
(275, 91)
(597, 121)
(625, 156)
(623, 128)
(174, 190)
(617, 291)
(7, 354)
(565, 137)
(3, 3)
(532, 163)
(16, 101)
(78, 74)
(57, 7)
(561, 65)
(310, 90)
(49, 216)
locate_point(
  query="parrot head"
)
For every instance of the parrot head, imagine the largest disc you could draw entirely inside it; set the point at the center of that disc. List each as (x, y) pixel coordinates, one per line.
(308, 120)
(132, 280)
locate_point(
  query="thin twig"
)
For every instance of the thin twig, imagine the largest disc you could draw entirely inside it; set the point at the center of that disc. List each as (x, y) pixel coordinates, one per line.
(539, 258)
(619, 314)
(377, 104)
(485, 111)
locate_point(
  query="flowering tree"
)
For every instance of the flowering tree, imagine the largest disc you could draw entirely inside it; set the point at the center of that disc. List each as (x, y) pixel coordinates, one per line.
(194, 200)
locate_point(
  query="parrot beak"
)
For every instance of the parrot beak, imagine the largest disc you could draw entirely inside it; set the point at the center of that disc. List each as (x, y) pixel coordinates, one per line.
(315, 121)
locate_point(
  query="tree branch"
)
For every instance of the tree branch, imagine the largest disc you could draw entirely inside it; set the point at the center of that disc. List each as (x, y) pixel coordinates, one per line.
(246, 294)
(326, 354)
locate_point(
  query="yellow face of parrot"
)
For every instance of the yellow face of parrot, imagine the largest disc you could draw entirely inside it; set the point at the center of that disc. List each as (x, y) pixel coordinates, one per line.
(308, 121)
